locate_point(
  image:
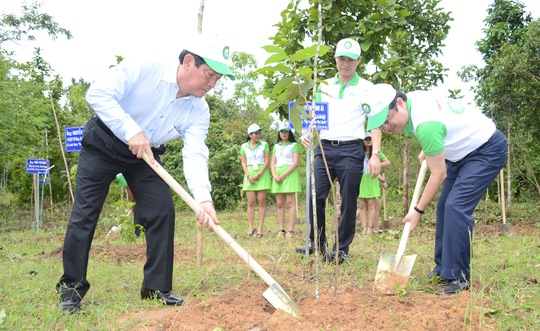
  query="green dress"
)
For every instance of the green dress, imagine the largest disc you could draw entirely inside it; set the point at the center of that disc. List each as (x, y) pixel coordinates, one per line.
(370, 188)
(255, 160)
(284, 158)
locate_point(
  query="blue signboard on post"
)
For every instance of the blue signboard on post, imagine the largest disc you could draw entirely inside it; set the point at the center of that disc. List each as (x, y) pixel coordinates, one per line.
(73, 138)
(320, 115)
(37, 166)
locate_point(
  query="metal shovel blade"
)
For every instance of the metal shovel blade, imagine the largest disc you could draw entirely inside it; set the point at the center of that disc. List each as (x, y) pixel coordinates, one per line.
(393, 271)
(278, 298)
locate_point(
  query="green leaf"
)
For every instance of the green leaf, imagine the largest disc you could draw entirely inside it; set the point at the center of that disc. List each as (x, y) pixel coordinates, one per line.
(275, 58)
(282, 84)
(274, 49)
(308, 53)
(295, 116)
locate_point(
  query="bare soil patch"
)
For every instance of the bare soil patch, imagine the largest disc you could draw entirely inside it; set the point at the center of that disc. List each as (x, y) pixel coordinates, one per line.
(242, 307)
(347, 307)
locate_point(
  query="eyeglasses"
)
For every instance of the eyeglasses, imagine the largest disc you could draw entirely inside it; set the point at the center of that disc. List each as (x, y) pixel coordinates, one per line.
(387, 122)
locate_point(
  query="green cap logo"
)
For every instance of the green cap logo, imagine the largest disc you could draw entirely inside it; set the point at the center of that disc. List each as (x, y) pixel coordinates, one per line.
(366, 108)
(348, 45)
(225, 52)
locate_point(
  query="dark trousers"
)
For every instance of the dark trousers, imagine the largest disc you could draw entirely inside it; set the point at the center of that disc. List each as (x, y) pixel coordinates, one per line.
(346, 163)
(101, 158)
(466, 182)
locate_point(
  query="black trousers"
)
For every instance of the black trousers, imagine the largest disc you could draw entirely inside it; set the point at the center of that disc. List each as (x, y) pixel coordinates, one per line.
(102, 157)
(346, 163)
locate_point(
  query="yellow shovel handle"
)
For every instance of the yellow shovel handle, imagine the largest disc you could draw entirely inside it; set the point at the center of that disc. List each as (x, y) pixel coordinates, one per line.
(414, 201)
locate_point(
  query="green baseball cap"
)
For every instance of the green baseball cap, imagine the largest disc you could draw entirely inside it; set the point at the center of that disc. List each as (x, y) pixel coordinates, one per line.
(214, 52)
(377, 104)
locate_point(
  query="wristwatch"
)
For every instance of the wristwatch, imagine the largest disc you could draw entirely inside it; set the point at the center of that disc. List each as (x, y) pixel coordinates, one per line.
(378, 152)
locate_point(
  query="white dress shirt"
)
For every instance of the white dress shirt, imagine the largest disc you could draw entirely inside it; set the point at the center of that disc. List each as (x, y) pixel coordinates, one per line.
(141, 96)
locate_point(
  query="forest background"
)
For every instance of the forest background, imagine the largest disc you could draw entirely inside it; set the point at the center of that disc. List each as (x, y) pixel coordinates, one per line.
(402, 40)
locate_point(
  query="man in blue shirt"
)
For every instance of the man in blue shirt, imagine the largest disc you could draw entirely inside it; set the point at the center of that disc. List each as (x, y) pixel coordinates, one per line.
(139, 107)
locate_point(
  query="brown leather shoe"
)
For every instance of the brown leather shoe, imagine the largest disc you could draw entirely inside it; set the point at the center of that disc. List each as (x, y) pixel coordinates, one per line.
(164, 296)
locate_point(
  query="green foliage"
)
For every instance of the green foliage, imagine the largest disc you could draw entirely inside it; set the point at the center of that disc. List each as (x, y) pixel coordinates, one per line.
(19, 28)
(393, 36)
(504, 23)
(27, 94)
(508, 87)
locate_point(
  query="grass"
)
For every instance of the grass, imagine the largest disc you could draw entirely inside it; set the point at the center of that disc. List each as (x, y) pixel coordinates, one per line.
(506, 266)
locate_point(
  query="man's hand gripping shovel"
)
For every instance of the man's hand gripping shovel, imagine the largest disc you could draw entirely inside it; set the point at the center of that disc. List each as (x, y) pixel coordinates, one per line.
(396, 269)
(275, 293)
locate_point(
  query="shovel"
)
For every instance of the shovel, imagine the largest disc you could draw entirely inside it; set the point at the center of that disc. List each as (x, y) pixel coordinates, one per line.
(395, 269)
(386, 221)
(275, 293)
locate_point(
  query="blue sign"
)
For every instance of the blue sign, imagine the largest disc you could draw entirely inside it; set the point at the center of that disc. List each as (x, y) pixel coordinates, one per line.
(320, 115)
(37, 166)
(73, 138)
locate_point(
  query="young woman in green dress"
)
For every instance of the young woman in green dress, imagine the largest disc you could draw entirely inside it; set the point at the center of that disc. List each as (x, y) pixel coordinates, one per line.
(286, 179)
(255, 156)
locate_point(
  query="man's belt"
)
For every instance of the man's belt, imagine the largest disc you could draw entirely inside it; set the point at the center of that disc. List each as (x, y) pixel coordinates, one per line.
(102, 125)
(342, 142)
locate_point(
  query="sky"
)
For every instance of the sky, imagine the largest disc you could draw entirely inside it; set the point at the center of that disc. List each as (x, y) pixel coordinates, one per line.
(102, 29)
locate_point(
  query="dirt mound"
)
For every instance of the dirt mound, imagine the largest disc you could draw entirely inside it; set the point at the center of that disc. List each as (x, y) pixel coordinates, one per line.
(243, 307)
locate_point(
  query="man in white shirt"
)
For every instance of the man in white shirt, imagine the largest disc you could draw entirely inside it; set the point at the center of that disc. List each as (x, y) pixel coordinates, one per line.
(139, 107)
(343, 148)
(464, 151)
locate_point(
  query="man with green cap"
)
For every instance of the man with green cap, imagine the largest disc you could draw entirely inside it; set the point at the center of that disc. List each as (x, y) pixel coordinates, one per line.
(464, 152)
(341, 150)
(140, 106)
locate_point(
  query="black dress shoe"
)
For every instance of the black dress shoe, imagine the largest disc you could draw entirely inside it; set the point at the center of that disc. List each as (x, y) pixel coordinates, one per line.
(302, 250)
(331, 257)
(434, 278)
(69, 306)
(454, 286)
(322, 249)
(165, 296)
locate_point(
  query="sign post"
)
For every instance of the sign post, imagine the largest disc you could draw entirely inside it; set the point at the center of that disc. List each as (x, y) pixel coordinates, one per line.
(320, 115)
(320, 122)
(73, 137)
(37, 167)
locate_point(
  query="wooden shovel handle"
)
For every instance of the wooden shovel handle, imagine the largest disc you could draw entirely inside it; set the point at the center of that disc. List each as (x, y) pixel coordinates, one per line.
(256, 267)
(414, 201)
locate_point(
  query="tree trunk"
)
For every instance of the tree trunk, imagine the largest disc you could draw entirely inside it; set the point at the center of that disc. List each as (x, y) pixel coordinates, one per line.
(200, 17)
(62, 148)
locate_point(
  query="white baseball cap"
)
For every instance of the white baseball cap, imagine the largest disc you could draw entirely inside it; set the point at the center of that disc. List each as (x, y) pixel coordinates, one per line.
(253, 128)
(214, 52)
(284, 126)
(348, 47)
(377, 102)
